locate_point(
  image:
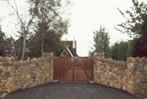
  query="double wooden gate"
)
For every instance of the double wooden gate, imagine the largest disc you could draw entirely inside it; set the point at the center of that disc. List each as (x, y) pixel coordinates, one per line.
(73, 69)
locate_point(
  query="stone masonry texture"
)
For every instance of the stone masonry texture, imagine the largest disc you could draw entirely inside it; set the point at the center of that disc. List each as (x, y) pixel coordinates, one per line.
(130, 76)
(16, 75)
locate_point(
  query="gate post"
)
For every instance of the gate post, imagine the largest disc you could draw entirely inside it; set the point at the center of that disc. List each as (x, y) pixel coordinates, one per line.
(96, 63)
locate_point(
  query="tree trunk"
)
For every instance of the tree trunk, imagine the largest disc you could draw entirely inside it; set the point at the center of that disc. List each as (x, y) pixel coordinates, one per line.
(14, 49)
(23, 47)
(42, 47)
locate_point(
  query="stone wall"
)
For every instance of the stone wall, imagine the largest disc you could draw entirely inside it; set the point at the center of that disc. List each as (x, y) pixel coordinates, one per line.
(16, 75)
(130, 76)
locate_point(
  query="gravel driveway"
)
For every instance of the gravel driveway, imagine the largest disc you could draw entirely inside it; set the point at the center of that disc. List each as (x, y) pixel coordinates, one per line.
(70, 91)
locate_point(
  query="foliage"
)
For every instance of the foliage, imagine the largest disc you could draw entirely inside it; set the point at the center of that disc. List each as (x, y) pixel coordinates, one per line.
(131, 47)
(141, 43)
(2, 38)
(122, 50)
(119, 51)
(101, 41)
(51, 41)
(136, 26)
(135, 18)
(49, 29)
(41, 31)
(5, 44)
(24, 26)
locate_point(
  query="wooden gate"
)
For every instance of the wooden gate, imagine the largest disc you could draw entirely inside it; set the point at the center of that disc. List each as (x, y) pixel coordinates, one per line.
(73, 69)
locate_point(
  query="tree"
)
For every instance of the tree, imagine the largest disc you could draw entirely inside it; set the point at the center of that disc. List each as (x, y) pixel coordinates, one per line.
(141, 43)
(51, 41)
(119, 51)
(24, 25)
(131, 46)
(6, 47)
(2, 37)
(122, 50)
(2, 41)
(101, 41)
(114, 51)
(135, 18)
(135, 26)
(50, 25)
(44, 16)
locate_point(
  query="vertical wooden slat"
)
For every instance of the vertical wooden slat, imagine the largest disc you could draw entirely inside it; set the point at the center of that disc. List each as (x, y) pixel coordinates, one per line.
(73, 69)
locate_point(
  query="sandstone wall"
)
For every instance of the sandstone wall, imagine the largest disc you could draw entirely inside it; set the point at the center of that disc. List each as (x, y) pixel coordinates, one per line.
(130, 75)
(16, 75)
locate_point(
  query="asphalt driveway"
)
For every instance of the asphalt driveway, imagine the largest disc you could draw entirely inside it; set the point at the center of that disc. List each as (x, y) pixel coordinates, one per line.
(70, 91)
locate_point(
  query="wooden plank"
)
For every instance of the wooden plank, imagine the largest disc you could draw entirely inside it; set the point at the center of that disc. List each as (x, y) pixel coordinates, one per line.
(73, 69)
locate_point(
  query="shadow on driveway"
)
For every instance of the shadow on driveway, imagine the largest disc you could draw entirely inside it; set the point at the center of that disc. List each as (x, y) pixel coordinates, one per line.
(70, 91)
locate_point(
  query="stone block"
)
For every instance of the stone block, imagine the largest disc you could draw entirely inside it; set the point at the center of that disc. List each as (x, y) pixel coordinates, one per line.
(139, 67)
(140, 80)
(145, 68)
(132, 67)
(145, 76)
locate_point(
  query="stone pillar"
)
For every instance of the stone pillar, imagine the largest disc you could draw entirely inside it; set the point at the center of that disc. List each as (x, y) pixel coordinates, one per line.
(138, 77)
(52, 66)
(97, 57)
(50, 58)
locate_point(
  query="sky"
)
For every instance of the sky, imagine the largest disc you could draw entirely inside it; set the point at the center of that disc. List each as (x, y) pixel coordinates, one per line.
(85, 16)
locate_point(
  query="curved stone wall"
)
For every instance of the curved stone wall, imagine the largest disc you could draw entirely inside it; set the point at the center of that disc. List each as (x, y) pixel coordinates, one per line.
(130, 76)
(16, 75)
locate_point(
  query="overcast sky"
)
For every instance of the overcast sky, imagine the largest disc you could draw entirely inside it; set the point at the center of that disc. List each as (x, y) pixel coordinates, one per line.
(85, 16)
